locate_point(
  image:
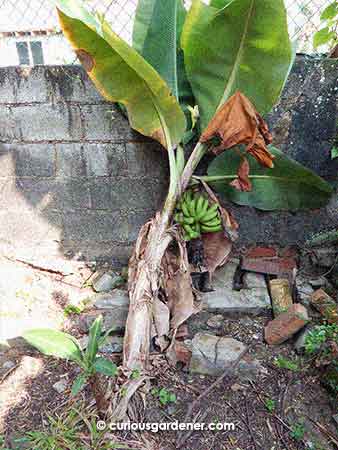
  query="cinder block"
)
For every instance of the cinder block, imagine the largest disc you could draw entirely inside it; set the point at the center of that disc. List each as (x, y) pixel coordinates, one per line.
(23, 85)
(105, 122)
(8, 128)
(95, 226)
(135, 222)
(147, 158)
(27, 160)
(91, 160)
(48, 122)
(43, 194)
(71, 84)
(125, 194)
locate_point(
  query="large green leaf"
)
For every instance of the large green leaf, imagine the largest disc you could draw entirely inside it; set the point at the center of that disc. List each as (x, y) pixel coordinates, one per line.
(236, 45)
(54, 343)
(156, 36)
(121, 74)
(288, 185)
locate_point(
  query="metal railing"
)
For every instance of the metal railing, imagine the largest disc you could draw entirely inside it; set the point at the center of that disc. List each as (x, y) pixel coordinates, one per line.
(29, 29)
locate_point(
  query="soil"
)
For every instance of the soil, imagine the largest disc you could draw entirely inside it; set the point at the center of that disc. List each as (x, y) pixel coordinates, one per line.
(299, 400)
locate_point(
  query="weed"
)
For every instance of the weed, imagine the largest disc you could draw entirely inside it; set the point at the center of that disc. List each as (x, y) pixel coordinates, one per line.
(285, 363)
(317, 337)
(164, 396)
(270, 405)
(298, 431)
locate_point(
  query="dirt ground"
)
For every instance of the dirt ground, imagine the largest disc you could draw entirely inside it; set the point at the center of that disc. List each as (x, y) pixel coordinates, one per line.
(272, 408)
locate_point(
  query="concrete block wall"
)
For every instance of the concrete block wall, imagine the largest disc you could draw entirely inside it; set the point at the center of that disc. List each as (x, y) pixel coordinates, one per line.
(74, 179)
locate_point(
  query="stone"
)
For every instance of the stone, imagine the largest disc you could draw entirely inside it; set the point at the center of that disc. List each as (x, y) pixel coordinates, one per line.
(114, 319)
(286, 324)
(113, 344)
(212, 355)
(106, 282)
(116, 298)
(8, 365)
(318, 282)
(60, 386)
(335, 418)
(304, 289)
(254, 280)
(225, 300)
(215, 321)
(300, 339)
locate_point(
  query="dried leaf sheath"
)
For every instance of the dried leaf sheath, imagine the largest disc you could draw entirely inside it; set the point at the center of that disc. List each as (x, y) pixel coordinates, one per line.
(144, 277)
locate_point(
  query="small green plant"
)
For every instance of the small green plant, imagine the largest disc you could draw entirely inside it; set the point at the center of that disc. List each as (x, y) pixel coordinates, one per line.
(75, 309)
(327, 35)
(164, 396)
(298, 431)
(270, 405)
(62, 345)
(135, 374)
(320, 335)
(285, 363)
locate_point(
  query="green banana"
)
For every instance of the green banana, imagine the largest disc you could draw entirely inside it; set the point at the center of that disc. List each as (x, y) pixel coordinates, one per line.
(212, 223)
(188, 220)
(213, 229)
(195, 215)
(210, 214)
(203, 210)
(185, 209)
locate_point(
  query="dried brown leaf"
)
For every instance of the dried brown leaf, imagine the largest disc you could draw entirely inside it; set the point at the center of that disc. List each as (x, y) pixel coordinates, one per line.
(242, 183)
(178, 352)
(217, 249)
(238, 122)
(178, 286)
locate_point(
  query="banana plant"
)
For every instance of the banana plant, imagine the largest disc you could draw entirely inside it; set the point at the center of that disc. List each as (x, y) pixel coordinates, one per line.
(62, 345)
(229, 60)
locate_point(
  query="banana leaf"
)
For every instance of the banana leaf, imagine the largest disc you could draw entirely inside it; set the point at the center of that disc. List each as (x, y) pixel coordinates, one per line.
(122, 75)
(288, 185)
(236, 45)
(156, 36)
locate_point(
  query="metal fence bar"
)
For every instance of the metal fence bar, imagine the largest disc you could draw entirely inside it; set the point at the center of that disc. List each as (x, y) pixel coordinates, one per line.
(29, 20)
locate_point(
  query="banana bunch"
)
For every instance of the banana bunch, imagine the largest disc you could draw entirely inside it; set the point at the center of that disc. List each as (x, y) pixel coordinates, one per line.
(196, 215)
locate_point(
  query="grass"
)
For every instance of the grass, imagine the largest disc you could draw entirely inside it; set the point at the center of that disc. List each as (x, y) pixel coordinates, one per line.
(73, 429)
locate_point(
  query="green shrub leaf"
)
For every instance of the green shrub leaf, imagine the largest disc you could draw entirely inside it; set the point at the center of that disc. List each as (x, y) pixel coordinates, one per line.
(79, 383)
(54, 343)
(322, 37)
(236, 45)
(121, 74)
(288, 185)
(105, 366)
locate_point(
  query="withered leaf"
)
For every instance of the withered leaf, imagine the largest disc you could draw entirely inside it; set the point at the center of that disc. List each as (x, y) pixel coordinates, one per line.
(242, 183)
(178, 287)
(238, 122)
(217, 249)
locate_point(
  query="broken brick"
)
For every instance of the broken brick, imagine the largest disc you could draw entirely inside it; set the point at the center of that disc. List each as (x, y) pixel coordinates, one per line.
(281, 298)
(274, 266)
(261, 252)
(286, 324)
(325, 305)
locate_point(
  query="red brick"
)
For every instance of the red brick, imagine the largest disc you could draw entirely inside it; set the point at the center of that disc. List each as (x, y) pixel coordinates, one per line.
(286, 324)
(261, 252)
(275, 266)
